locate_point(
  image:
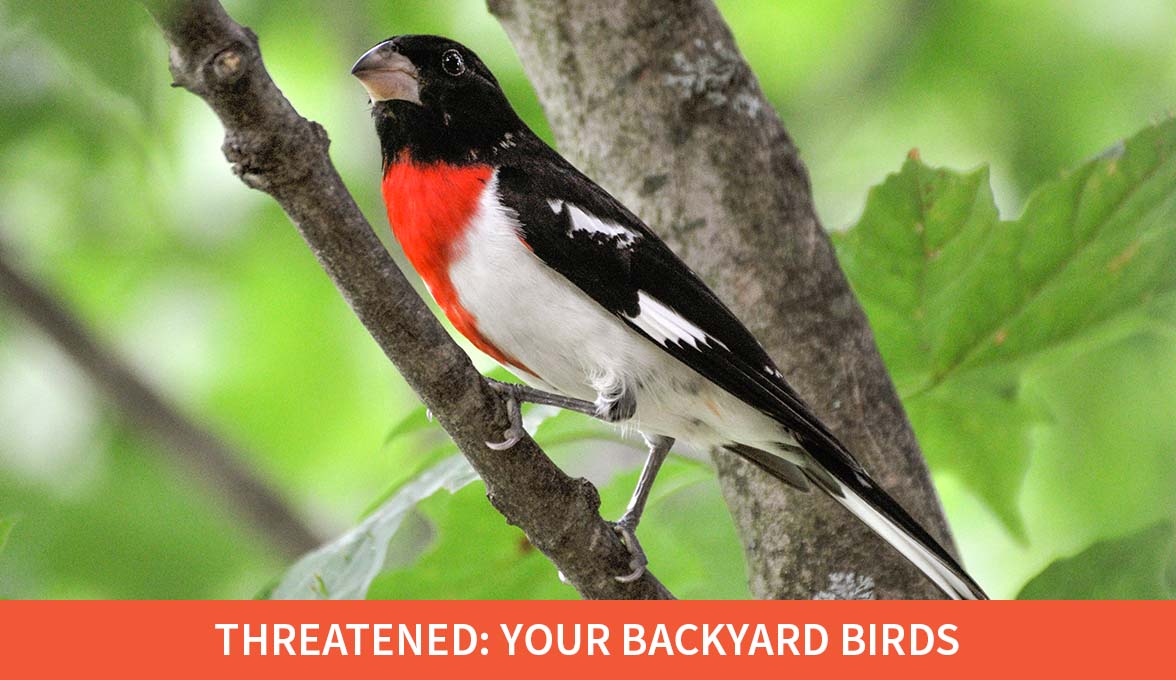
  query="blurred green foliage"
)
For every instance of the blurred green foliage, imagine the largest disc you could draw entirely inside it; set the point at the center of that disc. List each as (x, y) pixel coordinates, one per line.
(1136, 567)
(6, 524)
(1051, 445)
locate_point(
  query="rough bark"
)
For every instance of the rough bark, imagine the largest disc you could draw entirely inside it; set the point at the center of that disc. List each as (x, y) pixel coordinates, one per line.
(274, 149)
(653, 99)
(208, 459)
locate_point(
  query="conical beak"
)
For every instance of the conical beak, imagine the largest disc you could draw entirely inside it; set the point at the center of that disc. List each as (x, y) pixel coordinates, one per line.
(387, 74)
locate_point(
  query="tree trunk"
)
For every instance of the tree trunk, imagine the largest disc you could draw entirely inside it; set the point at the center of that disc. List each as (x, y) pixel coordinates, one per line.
(654, 101)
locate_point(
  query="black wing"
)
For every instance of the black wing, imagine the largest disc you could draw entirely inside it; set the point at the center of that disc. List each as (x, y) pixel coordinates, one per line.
(614, 265)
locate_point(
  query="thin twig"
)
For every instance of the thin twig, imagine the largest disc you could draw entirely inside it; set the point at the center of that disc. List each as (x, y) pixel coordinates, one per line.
(201, 453)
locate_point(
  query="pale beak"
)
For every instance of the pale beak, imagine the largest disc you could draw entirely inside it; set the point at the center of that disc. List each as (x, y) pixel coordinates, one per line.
(387, 74)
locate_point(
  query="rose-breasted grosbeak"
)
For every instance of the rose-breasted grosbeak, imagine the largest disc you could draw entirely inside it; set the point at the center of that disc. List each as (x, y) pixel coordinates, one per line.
(551, 276)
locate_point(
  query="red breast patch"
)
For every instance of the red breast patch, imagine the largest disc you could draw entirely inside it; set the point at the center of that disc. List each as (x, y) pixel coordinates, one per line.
(430, 206)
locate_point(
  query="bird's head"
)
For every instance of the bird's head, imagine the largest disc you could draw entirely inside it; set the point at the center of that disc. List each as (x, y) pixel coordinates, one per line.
(434, 98)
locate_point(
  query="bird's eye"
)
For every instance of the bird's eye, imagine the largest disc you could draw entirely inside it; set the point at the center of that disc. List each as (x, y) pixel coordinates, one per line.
(452, 63)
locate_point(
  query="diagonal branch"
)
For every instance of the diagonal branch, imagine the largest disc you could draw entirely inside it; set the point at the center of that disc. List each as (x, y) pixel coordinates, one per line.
(654, 100)
(274, 149)
(207, 458)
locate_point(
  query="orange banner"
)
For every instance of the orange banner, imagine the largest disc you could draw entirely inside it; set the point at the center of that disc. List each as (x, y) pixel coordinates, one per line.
(582, 639)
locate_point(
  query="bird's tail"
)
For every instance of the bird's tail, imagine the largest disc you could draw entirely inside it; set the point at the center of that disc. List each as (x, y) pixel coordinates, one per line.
(865, 499)
(839, 475)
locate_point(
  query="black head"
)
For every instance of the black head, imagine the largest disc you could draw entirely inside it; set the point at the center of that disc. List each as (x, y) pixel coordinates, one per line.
(434, 99)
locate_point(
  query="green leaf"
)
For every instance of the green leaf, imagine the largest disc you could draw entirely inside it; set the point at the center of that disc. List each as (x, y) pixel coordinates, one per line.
(416, 420)
(405, 458)
(1104, 464)
(980, 416)
(475, 555)
(413, 464)
(557, 428)
(550, 427)
(344, 569)
(1137, 567)
(963, 303)
(686, 532)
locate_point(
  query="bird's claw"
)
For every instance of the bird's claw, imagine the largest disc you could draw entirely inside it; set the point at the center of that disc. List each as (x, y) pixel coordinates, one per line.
(512, 437)
(639, 561)
(513, 434)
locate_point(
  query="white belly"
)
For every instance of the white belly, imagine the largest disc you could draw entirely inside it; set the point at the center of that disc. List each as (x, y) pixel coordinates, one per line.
(577, 348)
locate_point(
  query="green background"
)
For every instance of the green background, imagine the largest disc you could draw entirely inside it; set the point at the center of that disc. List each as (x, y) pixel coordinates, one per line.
(1054, 458)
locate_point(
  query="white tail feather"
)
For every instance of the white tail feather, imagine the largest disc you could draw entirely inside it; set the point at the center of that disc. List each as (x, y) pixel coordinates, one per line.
(944, 575)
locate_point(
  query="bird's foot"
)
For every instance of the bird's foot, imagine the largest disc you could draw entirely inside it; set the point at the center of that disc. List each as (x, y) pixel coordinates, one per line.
(513, 434)
(626, 528)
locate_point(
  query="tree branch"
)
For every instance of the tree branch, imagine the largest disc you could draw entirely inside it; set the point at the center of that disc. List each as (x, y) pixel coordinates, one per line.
(207, 458)
(653, 99)
(274, 149)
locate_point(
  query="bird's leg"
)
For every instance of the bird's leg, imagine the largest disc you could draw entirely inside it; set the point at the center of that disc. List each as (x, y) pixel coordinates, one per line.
(516, 394)
(527, 394)
(626, 526)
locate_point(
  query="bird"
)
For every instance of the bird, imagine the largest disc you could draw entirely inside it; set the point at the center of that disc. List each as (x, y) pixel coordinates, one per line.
(550, 275)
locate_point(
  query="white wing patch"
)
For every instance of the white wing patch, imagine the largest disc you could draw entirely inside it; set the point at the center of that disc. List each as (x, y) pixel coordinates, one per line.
(507, 141)
(665, 325)
(582, 221)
